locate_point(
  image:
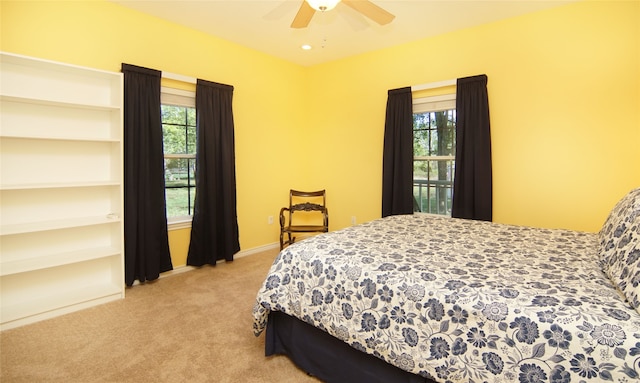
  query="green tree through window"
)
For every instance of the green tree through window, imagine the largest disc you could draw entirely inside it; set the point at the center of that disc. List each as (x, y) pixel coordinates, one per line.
(179, 140)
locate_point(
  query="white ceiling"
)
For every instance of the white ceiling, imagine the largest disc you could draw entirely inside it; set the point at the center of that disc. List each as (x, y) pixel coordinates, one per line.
(264, 25)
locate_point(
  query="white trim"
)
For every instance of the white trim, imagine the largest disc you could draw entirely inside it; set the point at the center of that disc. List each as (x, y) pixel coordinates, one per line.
(434, 158)
(57, 312)
(255, 250)
(433, 85)
(179, 156)
(434, 103)
(177, 270)
(443, 97)
(179, 77)
(179, 223)
(177, 92)
(434, 214)
(240, 254)
(179, 97)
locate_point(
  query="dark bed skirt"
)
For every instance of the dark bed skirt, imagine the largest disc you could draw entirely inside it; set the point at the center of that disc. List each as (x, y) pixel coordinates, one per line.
(328, 358)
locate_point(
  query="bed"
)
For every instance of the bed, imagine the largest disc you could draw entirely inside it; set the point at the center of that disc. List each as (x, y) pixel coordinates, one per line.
(421, 298)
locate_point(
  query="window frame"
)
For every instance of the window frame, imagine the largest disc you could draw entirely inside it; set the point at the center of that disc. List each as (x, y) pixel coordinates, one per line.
(182, 98)
(435, 104)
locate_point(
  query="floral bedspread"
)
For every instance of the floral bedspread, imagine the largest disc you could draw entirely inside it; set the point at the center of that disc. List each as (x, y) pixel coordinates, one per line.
(461, 301)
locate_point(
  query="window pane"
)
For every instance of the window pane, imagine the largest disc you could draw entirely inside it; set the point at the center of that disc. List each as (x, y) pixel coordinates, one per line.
(180, 185)
(421, 134)
(179, 140)
(432, 197)
(178, 129)
(191, 117)
(173, 139)
(191, 139)
(434, 141)
(177, 202)
(179, 172)
(433, 185)
(172, 114)
(434, 133)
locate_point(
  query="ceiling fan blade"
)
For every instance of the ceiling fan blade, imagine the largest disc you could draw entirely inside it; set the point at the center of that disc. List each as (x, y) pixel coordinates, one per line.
(370, 10)
(304, 15)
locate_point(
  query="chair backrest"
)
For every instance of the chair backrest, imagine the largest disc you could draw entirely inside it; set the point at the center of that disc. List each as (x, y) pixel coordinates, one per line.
(303, 201)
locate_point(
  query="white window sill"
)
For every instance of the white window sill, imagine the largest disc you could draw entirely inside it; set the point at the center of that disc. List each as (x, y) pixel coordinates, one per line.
(179, 223)
(433, 214)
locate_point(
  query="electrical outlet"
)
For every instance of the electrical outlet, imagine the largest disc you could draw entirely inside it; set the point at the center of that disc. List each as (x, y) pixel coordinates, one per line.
(270, 220)
(353, 219)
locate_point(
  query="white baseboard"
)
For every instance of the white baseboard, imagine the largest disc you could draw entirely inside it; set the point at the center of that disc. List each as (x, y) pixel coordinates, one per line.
(259, 249)
(240, 254)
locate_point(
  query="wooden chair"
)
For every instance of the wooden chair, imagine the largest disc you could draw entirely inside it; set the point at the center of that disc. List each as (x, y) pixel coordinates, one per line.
(307, 213)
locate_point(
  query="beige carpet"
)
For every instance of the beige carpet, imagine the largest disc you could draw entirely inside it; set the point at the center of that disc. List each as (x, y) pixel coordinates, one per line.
(189, 327)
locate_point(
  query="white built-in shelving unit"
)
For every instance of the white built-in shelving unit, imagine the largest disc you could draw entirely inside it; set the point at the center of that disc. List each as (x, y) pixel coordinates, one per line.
(61, 188)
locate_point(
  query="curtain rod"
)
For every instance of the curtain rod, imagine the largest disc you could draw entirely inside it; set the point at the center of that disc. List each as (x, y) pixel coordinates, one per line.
(179, 77)
(433, 85)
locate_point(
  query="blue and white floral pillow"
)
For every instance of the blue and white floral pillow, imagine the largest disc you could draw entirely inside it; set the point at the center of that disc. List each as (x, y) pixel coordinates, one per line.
(619, 246)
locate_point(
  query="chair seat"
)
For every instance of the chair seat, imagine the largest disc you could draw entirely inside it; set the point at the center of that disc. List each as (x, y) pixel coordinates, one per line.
(304, 229)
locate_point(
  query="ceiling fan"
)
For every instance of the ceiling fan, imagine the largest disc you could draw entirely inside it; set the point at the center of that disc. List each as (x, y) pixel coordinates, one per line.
(309, 7)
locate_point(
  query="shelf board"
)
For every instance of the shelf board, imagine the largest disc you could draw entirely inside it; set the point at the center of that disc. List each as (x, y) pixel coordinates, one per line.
(32, 227)
(53, 260)
(30, 307)
(59, 185)
(52, 138)
(63, 104)
(50, 65)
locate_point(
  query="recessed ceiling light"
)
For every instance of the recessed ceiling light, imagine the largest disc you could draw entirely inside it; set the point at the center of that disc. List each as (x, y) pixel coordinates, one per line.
(306, 47)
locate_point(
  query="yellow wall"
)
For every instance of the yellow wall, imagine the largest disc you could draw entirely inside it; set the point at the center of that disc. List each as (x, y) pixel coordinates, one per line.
(564, 93)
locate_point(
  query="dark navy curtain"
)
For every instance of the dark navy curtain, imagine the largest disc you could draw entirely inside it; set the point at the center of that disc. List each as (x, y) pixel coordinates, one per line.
(146, 240)
(397, 155)
(472, 185)
(214, 230)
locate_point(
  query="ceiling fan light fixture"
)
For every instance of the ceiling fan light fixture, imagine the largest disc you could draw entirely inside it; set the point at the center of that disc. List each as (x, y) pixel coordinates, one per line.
(323, 5)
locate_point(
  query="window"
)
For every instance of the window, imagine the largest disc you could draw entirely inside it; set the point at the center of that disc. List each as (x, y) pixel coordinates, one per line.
(434, 143)
(179, 140)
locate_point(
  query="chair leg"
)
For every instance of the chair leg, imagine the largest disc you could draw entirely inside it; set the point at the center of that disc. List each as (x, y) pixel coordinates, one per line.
(289, 240)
